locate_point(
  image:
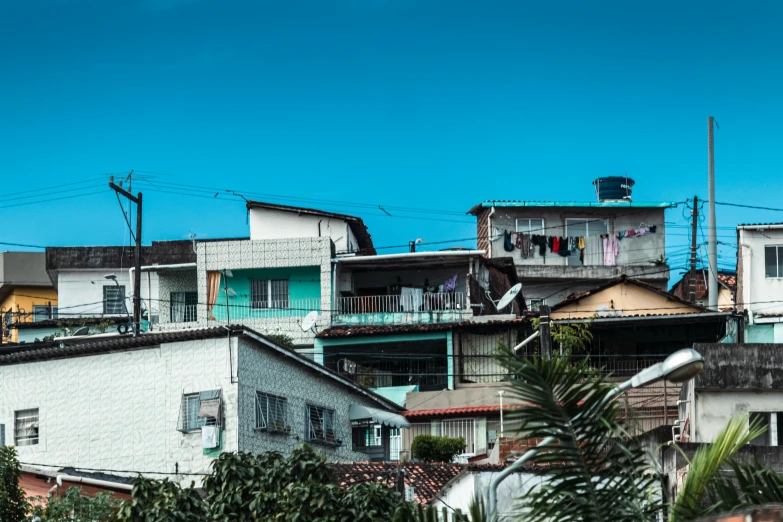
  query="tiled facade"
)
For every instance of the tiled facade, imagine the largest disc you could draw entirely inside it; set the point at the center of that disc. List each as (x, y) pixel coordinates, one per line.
(263, 371)
(169, 281)
(248, 254)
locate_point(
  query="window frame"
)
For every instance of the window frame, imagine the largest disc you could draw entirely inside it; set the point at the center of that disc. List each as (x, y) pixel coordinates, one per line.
(311, 431)
(535, 304)
(185, 425)
(268, 300)
(264, 396)
(193, 317)
(777, 262)
(31, 440)
(46, 309)
(540, 231)
(122, 308)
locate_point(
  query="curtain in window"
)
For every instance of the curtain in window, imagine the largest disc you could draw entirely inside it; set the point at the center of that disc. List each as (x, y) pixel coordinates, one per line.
(177, 307)
(213, 286)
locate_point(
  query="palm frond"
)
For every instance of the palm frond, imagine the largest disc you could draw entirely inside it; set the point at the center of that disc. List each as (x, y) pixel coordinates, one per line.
(704, 470)
(592, 472)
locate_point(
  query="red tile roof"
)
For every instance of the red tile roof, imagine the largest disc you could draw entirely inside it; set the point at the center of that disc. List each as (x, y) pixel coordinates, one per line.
(465, 410)
(364, 331)
(427, 479)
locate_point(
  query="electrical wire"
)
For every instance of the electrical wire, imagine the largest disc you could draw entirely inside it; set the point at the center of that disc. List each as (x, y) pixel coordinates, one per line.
(53, 199)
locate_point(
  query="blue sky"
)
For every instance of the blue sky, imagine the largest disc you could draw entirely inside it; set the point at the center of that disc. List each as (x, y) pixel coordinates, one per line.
(425, 104)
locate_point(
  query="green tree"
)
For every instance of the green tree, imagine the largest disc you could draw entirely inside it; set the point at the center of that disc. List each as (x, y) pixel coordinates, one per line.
(13, 502)
(286, 341)
(75, 507)
(431, 448)
(162, 501)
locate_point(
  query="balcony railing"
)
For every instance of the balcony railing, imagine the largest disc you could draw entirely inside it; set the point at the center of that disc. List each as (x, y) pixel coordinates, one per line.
(402, 309)
(182, 313)
(265, 309)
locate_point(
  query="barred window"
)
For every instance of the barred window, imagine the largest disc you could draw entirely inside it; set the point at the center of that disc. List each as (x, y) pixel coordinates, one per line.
(272, 412)
(321, 424)
(199, 409)
(114, 300)
(26, 427)
(268, 293)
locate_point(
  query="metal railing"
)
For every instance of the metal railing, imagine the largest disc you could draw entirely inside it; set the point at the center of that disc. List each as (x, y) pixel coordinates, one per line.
(454, 428)
(182, 313)
(264, 309)
(409, 303)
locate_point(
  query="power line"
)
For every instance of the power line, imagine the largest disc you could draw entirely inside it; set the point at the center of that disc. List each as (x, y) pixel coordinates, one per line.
(52, 187)
(20, 245)
(53, 199)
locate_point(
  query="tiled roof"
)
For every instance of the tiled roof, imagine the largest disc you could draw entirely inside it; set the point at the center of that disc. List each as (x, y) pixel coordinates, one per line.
(363, 331)
(758, 224)
(101, 344)
(427, 479)
(465, 410)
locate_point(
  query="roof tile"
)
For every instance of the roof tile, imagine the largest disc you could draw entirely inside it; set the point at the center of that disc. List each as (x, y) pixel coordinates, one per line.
(427, 478)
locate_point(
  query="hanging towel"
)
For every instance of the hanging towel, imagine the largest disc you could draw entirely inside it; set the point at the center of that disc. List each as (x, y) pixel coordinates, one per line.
(611, 249)
(411, 298)
(525, 246)
(594, 251)
(209, 438)
(581, 244)
(508, 246)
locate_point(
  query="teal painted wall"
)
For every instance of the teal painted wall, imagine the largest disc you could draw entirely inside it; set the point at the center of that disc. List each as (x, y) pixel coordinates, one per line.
(760, 333)
(304, 282)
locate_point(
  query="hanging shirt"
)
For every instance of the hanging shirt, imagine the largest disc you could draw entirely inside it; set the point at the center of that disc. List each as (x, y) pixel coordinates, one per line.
(581, 244)
(611, 249)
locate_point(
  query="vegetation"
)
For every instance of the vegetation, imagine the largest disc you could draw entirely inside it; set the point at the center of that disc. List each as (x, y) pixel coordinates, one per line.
(283, 340)
(13, 503)
(431, 448)
(75, 507)
(570, 338)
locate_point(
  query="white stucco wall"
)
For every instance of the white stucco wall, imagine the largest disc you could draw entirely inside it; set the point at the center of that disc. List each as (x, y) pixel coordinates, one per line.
(278, 224)
(80, 292)
(713, 409)
(120, 411)
(460, 493)
(755, 286)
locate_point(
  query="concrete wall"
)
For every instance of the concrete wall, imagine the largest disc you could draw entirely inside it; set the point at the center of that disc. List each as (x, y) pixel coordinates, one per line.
(622, 300)
(23, 268)
(740, 366)
(80, 292)
(754, 288)
(466, 395)
(461, 492)
(120, 410)
(633, 251)
(713, 409)
(169, 281)
(279, 224)
(263, 371)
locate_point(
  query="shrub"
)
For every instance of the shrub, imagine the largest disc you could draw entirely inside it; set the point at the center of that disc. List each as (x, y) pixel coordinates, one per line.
(430, 448)
(13, 502)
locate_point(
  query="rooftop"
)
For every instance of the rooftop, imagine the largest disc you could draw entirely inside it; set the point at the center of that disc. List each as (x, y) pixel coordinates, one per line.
(364, 331)
(465, 410)
(358, 227)
(505, 203)
(20, 353)
(427, 478)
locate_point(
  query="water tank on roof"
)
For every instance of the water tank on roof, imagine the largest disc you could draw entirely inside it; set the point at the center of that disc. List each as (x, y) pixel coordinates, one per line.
(613, 188)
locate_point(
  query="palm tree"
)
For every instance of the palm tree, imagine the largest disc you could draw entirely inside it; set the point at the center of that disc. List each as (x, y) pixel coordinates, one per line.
(595, 470)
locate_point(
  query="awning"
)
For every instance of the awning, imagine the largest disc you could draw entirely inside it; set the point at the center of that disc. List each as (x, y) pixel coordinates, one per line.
(362, 413)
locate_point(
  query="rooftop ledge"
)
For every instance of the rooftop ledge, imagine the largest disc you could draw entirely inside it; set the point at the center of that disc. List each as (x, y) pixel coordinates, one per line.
(644, 272)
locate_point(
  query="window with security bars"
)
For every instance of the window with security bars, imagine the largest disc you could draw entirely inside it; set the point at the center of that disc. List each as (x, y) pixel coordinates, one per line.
(193, 414)
(268, 293)
(773, 261)
(272, 413)
(321, 425)
(184, 307)
(44, 312)
(26, 427)
(114, 300)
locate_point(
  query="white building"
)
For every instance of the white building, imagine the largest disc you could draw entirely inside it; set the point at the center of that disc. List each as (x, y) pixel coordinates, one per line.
(171, 402)
(760, 280)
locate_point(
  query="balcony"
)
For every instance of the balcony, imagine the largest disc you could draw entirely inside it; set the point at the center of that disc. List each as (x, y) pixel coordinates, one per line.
(467, 429)
(425, 308)
(250, 310)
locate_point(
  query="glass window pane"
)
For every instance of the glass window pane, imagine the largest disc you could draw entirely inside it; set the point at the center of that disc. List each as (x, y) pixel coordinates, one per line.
(114, 300)
(279, 293)
(771, 261)
(779, 251)
(259, 293)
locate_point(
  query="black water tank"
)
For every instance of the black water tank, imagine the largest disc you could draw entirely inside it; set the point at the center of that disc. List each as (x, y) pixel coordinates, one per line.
(613, 188)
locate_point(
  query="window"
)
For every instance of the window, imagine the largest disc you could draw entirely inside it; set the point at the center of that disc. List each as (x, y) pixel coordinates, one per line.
(114, 300)
(768, 420)
(199, 409)
(530, 226)
(586, 227)
(184, 306)
(42, 312)
(26, 427)
(271, 413)
(321, 425)
(2, 435)
(773, 261)
(535, 304)
(268, 293)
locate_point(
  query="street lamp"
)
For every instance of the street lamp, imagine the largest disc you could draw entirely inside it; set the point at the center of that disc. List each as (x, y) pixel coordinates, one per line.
(680, 366)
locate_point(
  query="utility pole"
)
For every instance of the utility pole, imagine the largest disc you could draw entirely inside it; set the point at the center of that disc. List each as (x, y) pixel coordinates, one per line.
(546, 337)
(137, 272)
(712, 234)
(692, 277)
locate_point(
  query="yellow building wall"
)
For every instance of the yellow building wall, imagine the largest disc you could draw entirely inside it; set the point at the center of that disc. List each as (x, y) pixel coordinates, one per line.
(622, 300)
(22, 299)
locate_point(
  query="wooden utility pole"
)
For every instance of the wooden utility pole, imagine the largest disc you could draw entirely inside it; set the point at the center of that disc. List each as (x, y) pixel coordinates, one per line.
(137, 272)
(546, 337)
(692, 276)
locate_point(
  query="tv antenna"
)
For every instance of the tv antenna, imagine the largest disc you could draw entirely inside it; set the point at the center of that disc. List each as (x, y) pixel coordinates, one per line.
(507, 298)
(308, 323)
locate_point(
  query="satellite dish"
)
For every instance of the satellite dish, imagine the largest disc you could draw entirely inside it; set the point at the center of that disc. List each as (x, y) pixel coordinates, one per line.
(508, 296)
(230, 292)
(308, 323)
(84, 330)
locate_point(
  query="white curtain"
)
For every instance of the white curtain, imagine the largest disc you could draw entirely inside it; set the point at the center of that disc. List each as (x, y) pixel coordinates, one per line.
(177, 307)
